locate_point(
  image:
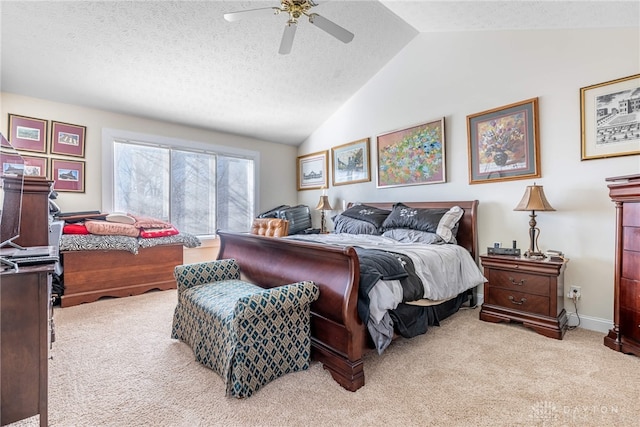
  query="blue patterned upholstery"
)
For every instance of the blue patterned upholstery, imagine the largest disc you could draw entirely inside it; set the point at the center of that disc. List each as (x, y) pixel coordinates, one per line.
(247, 334)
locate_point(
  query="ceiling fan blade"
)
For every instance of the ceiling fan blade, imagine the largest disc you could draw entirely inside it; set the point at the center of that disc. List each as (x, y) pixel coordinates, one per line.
(331, 27)
(251, 13)
(287, 38)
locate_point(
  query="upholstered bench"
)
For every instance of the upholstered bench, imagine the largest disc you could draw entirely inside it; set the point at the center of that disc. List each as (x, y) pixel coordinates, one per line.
(247, 334)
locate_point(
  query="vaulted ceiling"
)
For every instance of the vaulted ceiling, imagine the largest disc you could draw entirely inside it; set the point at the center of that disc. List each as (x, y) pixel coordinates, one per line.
(180, 61)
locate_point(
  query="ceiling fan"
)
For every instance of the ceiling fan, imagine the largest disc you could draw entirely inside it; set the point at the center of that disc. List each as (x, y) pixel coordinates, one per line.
(295, 9)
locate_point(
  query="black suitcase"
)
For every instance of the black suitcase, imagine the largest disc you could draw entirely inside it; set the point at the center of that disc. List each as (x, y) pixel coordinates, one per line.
(273, 213)
(299, 218)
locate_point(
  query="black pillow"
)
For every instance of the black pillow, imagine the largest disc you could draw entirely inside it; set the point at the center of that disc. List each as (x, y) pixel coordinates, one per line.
(403, 216)
(344, 224)
(370, 214)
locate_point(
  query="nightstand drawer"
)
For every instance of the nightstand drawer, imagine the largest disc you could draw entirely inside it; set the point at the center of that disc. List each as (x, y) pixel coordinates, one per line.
(519, 301)
(519, 281)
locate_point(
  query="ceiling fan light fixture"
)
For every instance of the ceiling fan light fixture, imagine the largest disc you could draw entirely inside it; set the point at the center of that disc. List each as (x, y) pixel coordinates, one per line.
(295, 9)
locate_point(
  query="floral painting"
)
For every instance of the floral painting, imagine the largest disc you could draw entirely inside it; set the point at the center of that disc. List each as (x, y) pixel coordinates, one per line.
(503, 143)
(412, 156)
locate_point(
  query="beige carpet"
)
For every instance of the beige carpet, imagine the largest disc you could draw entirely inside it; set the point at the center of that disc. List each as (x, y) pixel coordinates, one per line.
(114, 364)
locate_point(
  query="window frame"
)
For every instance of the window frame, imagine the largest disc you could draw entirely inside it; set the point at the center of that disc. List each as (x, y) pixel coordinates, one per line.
(109, 136)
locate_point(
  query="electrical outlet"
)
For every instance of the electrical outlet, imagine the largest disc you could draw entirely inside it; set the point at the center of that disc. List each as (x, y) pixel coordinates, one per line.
(574, 292)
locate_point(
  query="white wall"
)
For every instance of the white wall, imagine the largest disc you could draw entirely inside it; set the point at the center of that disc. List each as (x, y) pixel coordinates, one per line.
(453, 75)
(277, 180)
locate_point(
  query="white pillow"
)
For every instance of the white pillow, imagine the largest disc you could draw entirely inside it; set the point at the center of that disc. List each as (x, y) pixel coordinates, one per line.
(448, 223)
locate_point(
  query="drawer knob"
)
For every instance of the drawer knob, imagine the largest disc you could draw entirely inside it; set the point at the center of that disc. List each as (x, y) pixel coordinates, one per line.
(513, 300)
(518, 283)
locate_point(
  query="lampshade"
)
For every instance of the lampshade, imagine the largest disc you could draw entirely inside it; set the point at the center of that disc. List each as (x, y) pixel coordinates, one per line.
(534, 200)
(323, 204)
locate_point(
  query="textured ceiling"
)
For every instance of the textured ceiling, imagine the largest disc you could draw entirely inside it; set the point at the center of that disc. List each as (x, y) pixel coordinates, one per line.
(182, 62)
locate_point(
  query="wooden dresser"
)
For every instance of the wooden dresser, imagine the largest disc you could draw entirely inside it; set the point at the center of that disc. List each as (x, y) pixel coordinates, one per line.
(625, 335)
(24, 343)
(526, 291)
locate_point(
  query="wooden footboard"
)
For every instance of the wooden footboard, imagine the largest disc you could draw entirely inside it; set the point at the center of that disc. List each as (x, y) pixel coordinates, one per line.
(93, 274)
(338, 334)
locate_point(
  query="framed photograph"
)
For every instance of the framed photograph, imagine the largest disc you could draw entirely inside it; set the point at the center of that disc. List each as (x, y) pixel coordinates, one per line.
(67, 139)
(412, 156)
(11, 164)
(504, 143)
(312, 171)
(23, 165)
(610, 118)
(35, 166)
(67, 175)
(350, 163)
(28, 133)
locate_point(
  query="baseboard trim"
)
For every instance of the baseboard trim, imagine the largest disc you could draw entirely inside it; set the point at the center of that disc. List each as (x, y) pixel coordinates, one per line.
(586, 322)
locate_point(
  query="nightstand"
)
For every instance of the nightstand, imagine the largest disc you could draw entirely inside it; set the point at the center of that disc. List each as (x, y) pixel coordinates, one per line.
(526, 291)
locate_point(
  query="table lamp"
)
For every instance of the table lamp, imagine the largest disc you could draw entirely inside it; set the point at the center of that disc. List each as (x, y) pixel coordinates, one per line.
(323, 205)
(534, 200)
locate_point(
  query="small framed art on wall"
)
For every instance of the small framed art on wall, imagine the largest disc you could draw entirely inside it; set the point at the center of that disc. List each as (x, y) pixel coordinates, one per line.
(67, 139)
(610, 118)
(350, 163)
(28, 133)
(67, 175)
(312, 171)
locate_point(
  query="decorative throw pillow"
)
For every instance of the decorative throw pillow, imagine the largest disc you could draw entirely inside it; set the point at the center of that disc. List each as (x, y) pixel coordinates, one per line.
(148, 233)
(403, 216)
(370, 214)
(443, 222)
(448, 225)
(78, 228)
(149, 222)
(105, 228)
(344, 224)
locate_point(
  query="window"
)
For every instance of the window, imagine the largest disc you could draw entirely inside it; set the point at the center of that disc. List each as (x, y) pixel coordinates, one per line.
(197, 187)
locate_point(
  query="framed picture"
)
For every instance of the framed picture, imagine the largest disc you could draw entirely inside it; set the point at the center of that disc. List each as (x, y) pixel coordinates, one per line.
(504, 143)
(11, 164)
(312, 171)
(350, 163)
(67, 175)
(67, 139)
(610, 118)
(28, 133)
(23, 165)
(412, 156)
(35, 166)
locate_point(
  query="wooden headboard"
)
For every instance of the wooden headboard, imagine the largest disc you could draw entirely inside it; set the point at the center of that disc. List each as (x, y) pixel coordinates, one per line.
(468, 226)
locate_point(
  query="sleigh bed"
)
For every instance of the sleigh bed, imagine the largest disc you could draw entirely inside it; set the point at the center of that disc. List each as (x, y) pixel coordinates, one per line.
(339, 336)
